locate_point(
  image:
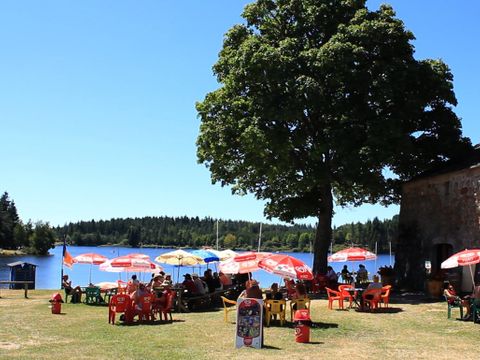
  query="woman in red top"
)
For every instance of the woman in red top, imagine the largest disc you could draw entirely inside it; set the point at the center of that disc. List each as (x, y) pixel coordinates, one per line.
(452, 298)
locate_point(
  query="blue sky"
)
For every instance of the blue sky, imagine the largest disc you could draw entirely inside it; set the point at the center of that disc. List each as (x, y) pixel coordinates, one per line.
(97, 116)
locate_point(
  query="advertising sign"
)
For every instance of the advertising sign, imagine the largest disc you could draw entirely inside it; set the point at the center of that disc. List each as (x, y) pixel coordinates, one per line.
(249, 330)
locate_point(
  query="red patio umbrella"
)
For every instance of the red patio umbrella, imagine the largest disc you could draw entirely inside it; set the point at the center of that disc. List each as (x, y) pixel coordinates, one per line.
(243, 263)
(132, 262)
(137, 255)
(467, 257)
(129, 264)
(352, 254)
(90, 258)
(286, 265)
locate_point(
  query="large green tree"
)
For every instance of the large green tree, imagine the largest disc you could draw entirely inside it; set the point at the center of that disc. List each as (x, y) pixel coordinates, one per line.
(42, 239)
(322, 101)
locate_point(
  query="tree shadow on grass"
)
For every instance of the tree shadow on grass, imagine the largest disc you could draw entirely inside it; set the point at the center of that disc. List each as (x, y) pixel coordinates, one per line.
(322, 325)
(292, 325)
(151, 323)
(270, 347)
(383, 310)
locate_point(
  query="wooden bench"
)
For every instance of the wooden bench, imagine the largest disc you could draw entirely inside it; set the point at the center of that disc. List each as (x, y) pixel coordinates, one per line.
(25, 284)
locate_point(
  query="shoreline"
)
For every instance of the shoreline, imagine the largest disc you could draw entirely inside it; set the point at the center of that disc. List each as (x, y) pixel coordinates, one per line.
(4, 252)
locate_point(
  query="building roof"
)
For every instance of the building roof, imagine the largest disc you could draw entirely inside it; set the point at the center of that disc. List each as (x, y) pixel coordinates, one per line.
(17, 263)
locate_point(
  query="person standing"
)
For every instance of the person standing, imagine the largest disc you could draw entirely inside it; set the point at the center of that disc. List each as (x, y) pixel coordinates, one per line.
(346, 275)
(362, 274)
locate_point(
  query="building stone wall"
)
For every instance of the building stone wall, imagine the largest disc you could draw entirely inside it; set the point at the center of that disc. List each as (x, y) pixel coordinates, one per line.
(439, 215)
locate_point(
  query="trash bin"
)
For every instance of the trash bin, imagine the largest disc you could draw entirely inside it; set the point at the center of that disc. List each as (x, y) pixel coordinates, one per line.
(302, 325)
(56, 301)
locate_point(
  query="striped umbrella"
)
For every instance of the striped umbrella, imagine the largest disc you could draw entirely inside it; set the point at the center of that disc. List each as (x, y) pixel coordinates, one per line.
(90, 258)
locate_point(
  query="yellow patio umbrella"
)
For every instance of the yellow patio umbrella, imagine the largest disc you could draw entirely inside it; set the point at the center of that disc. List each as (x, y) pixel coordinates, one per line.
(179, 258)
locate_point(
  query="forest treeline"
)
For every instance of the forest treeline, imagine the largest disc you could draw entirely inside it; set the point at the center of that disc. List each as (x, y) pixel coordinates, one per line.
(184, 231)
(35, 238)
(195, 232)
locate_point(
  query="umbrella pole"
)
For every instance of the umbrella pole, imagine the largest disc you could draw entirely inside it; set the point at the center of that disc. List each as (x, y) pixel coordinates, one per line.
(473, 279)
(90, 281)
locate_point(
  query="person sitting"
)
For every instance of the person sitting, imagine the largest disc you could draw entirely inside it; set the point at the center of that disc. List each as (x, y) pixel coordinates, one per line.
(375, 284)
(253, 290)
(241, 279)
(74, 292)
(346, 275)
(199, 285)
(374, 288)
(225, 280)
(475, 298)
(189, 285)
(137, 295)
(362, 274)
(132, 284)
(300, 291)
(290, 286)
(216, 282)
(274, 294)
(208, 279)
(453, 299)
(161, 294)
(156, 284)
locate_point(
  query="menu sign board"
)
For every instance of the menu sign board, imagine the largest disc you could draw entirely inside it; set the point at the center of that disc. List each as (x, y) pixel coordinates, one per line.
(249, 330)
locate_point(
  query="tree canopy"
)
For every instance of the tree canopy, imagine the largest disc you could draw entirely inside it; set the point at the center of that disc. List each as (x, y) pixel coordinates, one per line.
(322, 101)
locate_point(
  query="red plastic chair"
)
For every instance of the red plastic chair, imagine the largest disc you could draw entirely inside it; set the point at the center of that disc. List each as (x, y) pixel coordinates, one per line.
(385, 296)
(332, 296)
(156, 306)
(144, 310)
(347, 294)
(167, 309)
(372, 297)
(119, 303)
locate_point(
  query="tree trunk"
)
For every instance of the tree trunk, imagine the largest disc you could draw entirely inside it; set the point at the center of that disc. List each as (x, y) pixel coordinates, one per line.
(323, 235)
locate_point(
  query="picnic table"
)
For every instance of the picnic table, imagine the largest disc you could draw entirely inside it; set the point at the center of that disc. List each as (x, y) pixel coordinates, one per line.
(25, 284)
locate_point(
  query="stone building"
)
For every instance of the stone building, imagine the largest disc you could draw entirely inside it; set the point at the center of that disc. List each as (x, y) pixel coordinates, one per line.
(439, 216)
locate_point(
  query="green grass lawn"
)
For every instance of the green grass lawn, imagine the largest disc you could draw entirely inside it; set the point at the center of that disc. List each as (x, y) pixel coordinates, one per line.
(29, 330)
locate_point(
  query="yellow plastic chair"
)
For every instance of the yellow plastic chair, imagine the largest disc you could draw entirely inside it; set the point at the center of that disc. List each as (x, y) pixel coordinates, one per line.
(298, 304)
(274, 308)
(228, 305)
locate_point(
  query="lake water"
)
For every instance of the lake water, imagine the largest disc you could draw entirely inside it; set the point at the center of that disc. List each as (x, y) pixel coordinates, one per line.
(49, 267)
